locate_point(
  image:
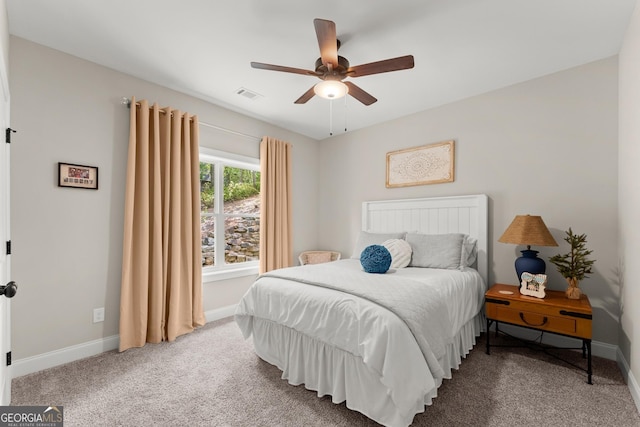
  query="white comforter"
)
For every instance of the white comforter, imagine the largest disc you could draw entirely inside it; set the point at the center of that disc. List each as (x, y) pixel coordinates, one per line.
(347, 312)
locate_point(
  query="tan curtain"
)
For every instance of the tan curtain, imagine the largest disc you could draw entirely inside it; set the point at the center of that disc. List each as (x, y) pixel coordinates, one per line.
(275, 207)
(161, 291)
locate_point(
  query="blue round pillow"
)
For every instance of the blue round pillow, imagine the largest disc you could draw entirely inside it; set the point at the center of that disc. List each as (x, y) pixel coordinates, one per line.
(375, 259)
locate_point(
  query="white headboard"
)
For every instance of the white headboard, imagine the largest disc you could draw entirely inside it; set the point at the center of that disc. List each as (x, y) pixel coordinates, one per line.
(437, 215)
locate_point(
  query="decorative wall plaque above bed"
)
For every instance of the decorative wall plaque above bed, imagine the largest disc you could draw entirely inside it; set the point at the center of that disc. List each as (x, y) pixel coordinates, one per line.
(428, 164)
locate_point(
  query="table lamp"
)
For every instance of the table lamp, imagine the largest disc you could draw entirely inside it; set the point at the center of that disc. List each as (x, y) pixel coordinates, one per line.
(528, 230)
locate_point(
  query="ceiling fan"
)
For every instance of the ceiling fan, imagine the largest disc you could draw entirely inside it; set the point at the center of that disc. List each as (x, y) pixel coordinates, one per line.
(332, 69)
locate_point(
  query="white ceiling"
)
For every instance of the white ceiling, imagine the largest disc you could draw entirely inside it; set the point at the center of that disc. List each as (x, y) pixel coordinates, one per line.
(203, 47)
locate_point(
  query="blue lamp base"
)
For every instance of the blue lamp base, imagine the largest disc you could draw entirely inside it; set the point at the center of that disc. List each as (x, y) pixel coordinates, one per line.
(530, 263)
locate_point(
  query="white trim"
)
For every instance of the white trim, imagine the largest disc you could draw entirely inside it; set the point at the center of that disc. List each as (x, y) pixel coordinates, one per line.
(50, 359)
(32, 364)
(220, 313)
(634, 388)
(604, 350)
(229, 273)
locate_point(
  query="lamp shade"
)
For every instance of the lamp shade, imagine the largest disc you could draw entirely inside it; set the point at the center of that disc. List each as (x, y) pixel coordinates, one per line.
(528, 230)
(331, 89)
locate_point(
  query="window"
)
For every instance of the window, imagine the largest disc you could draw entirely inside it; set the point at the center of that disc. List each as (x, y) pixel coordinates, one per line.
(229, 214)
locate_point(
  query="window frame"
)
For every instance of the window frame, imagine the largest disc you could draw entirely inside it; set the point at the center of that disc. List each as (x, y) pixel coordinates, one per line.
(220, 158)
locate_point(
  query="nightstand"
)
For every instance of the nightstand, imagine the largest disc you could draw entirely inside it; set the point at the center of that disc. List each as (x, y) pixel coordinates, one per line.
(555, 314)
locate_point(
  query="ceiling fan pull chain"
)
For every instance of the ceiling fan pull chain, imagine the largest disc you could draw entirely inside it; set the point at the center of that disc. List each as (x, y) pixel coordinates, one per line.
(330, 117)
(345, 113)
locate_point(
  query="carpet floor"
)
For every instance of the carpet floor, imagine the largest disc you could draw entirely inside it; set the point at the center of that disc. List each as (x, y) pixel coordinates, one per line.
(212, 377)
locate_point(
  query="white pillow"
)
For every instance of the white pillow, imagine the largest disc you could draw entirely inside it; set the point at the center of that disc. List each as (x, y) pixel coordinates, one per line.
(469, 251)
(367, 239)
(400, 251)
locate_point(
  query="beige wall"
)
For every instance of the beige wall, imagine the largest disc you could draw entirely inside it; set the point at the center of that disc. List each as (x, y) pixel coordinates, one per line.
(66, 242)
(546, 147)
(629, 197)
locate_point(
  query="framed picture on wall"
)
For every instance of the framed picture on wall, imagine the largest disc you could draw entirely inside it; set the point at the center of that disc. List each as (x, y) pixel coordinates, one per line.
(77, 176)
(428, 164)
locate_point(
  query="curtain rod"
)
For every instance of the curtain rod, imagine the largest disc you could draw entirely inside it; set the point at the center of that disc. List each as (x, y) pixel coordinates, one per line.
(126, 101)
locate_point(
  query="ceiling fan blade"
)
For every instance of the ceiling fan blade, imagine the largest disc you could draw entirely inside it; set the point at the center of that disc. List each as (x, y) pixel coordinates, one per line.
(305, 96)
(360, 94)
(393, 64)
(271, 67)
(328, 41)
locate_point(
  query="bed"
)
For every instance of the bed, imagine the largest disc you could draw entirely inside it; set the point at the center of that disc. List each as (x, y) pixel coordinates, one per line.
(381, 343)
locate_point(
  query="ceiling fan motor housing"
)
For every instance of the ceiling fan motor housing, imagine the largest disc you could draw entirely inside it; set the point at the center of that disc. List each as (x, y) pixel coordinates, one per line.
(337, 73)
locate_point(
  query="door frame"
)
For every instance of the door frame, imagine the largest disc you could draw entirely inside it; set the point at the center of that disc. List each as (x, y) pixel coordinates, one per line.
(5, 236)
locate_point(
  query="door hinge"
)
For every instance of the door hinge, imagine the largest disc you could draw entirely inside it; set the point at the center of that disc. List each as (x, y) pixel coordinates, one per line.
(9, 359)
(8, 247)
(8, 135)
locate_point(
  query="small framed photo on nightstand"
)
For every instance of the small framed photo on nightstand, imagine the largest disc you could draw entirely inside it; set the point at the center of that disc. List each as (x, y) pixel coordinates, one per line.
(533, 284)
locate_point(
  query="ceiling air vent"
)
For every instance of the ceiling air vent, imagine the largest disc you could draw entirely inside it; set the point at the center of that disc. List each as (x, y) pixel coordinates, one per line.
(248, 94)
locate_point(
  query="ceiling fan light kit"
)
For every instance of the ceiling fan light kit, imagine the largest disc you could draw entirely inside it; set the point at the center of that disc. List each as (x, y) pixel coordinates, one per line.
(333, 69)
(331, 89)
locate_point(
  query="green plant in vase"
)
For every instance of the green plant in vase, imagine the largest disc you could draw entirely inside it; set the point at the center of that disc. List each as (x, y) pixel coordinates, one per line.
(574, 265)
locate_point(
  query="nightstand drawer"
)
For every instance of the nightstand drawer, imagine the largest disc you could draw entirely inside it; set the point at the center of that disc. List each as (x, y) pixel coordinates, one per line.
(554, 313)
(543, 322)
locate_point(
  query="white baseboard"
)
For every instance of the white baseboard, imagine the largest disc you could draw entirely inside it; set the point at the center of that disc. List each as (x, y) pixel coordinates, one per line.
(604, 350)
(50, 359)
(634, 388)
(220, 313)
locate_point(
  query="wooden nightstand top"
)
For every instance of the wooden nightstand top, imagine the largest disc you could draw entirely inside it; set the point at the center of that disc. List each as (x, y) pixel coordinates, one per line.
(553, 298)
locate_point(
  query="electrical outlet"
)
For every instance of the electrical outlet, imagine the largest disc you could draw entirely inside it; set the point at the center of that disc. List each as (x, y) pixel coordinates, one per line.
(98, 315)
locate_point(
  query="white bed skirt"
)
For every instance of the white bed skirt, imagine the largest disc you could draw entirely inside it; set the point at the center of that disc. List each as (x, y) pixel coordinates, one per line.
(335, 372)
